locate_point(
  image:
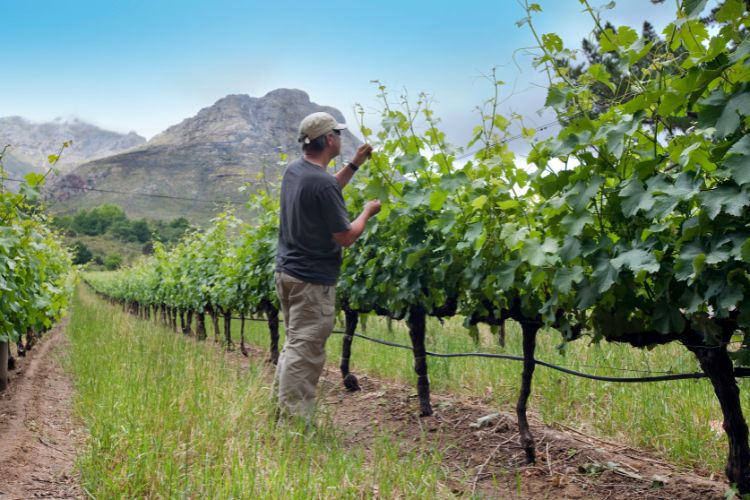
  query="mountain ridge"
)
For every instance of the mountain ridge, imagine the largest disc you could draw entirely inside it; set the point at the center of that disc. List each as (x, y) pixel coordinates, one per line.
(207, 156)
(30, 143)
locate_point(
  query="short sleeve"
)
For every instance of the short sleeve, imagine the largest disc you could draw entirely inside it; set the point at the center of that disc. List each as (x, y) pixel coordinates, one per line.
(333, 209)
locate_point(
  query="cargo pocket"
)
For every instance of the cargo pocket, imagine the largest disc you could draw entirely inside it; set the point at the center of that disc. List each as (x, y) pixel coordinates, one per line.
(328, 302)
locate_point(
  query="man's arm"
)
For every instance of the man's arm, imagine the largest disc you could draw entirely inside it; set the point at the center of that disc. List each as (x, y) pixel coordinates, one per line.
(344, 175)
(346, 238)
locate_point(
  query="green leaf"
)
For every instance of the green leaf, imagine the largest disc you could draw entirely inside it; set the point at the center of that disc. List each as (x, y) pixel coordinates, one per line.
(587, 296)
(694, 7)
(575, 222)
(604, 275)
(580, 195)
(745, 251)
(414, 257)
(604, 40)
(552, 42)
(572, 249)
(730, 297)
(565, 277)
(556, 95)
(415, 198)
(599, 73)
(437, 199)
(729, 121)
(479, 202)
(411, 162)
(727, 198)
(741, 52)
(453, 181)
(34, 179)
(508, 204)
(635, 197)
(741, 147)
(730, 10)
(506, 275)
(668, 319)
(533, 253)
(636, 260)
(473, 232)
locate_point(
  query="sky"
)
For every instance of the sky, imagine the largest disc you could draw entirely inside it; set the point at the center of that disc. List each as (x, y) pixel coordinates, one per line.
(136, 65)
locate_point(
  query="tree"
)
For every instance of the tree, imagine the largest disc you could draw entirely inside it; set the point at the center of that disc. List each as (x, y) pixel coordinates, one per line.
(81, 253)
(113, 261)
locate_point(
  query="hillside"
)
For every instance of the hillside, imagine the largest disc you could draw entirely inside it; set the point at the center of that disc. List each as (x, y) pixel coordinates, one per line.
(207, 157)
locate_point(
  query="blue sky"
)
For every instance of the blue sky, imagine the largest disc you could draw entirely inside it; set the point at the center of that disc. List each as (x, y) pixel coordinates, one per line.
(145, 65)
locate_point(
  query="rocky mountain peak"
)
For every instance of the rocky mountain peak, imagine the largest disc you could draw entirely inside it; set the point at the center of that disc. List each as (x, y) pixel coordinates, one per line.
(31, 142)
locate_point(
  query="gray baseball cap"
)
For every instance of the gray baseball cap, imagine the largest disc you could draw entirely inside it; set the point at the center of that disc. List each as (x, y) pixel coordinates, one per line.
(317, 124)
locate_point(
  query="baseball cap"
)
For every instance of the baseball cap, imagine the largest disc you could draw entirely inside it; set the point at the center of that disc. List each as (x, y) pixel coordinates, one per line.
(317, 124)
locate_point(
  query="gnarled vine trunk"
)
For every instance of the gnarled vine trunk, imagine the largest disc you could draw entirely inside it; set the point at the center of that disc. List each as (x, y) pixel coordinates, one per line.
(175, 315)
(228, 330)
(243, 349)
(529, 329)
(200, 325)
(215, 322)
(350, 326)
(30, 339)
(417, 325)
(272, 317)
(186, 328)
(3, 365)
(715, 362)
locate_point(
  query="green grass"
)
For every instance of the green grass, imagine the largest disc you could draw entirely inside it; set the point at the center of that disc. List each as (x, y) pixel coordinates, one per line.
(672, 418)
(167, 417)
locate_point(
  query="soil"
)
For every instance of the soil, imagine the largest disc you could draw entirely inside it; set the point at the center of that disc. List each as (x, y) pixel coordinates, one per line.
(38, 434)
(40, 437)
(486, 460)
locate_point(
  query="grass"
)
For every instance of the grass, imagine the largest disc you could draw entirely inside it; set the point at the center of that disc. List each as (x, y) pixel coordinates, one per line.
(168, 417)
(674, 418)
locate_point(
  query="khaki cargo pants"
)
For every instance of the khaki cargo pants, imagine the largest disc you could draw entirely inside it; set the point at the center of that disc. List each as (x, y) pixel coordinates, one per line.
(308, 317)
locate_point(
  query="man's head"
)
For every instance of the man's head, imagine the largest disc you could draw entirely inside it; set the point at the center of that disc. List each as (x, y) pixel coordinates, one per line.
(319, 130)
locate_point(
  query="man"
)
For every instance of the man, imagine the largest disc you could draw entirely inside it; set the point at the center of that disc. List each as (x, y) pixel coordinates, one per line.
(313, 226)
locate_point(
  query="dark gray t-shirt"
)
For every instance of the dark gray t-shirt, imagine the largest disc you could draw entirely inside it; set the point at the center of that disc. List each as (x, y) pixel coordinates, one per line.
(312, 209)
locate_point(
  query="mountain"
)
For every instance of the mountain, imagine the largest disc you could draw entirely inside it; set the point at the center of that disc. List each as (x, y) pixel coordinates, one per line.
(206, 157)
(31, 143)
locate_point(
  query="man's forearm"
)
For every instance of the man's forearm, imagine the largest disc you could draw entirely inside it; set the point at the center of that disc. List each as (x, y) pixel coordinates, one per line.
(347, 238)
(344, 175)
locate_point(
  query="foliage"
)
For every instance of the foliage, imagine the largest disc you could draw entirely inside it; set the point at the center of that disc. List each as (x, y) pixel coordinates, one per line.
(110, 219)
(36, 278)
(81, 253)
(112, 261)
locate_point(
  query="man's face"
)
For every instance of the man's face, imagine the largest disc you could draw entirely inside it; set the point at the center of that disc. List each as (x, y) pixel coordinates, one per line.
(335, 142)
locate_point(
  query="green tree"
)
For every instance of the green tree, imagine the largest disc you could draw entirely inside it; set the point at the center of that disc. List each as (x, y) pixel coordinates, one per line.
(81, 253)
(113, 261)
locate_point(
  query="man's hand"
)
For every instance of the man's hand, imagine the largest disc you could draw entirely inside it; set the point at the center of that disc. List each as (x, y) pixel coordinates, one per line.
(372, 207)
(362, 155)
(346, 238)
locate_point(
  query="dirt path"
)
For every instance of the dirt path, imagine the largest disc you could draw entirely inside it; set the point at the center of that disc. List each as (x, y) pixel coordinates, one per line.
(38, 435)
